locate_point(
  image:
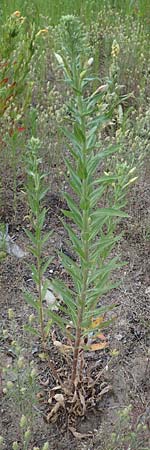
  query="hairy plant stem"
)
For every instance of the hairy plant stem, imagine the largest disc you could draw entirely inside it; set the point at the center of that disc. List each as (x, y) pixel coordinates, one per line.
(84, 240)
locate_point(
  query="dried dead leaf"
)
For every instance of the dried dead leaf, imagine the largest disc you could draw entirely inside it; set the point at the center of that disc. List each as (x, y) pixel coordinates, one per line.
(45, 383)
(78, 435)
(63, 348)
(60, 402)
(56, 388)
(104, 391)
(98, 346)
(53, 412)
(101, 336)
(82, 400)
(60, 399)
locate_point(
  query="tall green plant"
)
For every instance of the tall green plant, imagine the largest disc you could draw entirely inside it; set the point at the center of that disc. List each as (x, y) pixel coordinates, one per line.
(35, 193)
(91, 235)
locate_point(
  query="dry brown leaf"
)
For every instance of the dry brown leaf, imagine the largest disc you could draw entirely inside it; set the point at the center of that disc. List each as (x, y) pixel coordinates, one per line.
(74, 399)
(79, 435)
(82, 400)
(101, 336)
(63, 348)
(60, 399)
(98, 346)
(44, 383)
(104, 391)
(55, 388)
(53, 412)
(60, 403)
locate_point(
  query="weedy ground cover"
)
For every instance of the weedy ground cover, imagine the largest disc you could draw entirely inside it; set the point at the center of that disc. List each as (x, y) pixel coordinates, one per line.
(79, 108)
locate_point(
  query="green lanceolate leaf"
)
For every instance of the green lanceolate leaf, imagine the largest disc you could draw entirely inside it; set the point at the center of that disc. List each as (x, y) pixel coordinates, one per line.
(102, 244)
(76, 242)
(96, 275)
(79, 135)
(95, 196)
(106, 179)
(96, 225)
(31, 300)
(67, 297)
(76, 215)
(45, 265)
(46, 237)
(108, 212)
(92, 314)
(31, 330)
(61, 322)
(94, 162)
(94, 295)
(31, 236)
(41, 218)
(72, 139)
(73, 269)
(74, 180)
(35, 274)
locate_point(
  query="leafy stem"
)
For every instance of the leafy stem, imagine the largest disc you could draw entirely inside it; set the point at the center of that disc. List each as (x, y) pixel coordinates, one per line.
(84, 240)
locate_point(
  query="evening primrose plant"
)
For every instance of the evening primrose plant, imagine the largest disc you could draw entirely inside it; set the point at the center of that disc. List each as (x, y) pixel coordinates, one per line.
(91, 235)
(36, 191)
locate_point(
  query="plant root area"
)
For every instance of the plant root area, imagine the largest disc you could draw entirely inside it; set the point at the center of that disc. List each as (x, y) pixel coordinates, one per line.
(113, 378)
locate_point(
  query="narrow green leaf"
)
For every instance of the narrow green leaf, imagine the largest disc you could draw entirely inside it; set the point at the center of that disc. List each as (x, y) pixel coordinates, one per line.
(71, 138)
(108, 212)
(46, 237)
(31, 236)
(31, 330)
(75, 180)
(43, 193)
(79, 134)
(57, 319)
(67, 296)
(41, 218)
(76, 242)
(106, 179)
(95, 123)
(97, 273)
(76, 215)
(33, 250)
(31, 300)
(94, 162)
(73, 269)
(102, 326)
(95, 196)
(95, 294)
(35, 274)
(95, 313)
(95, 227)
(45, 265)
(102, 244)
